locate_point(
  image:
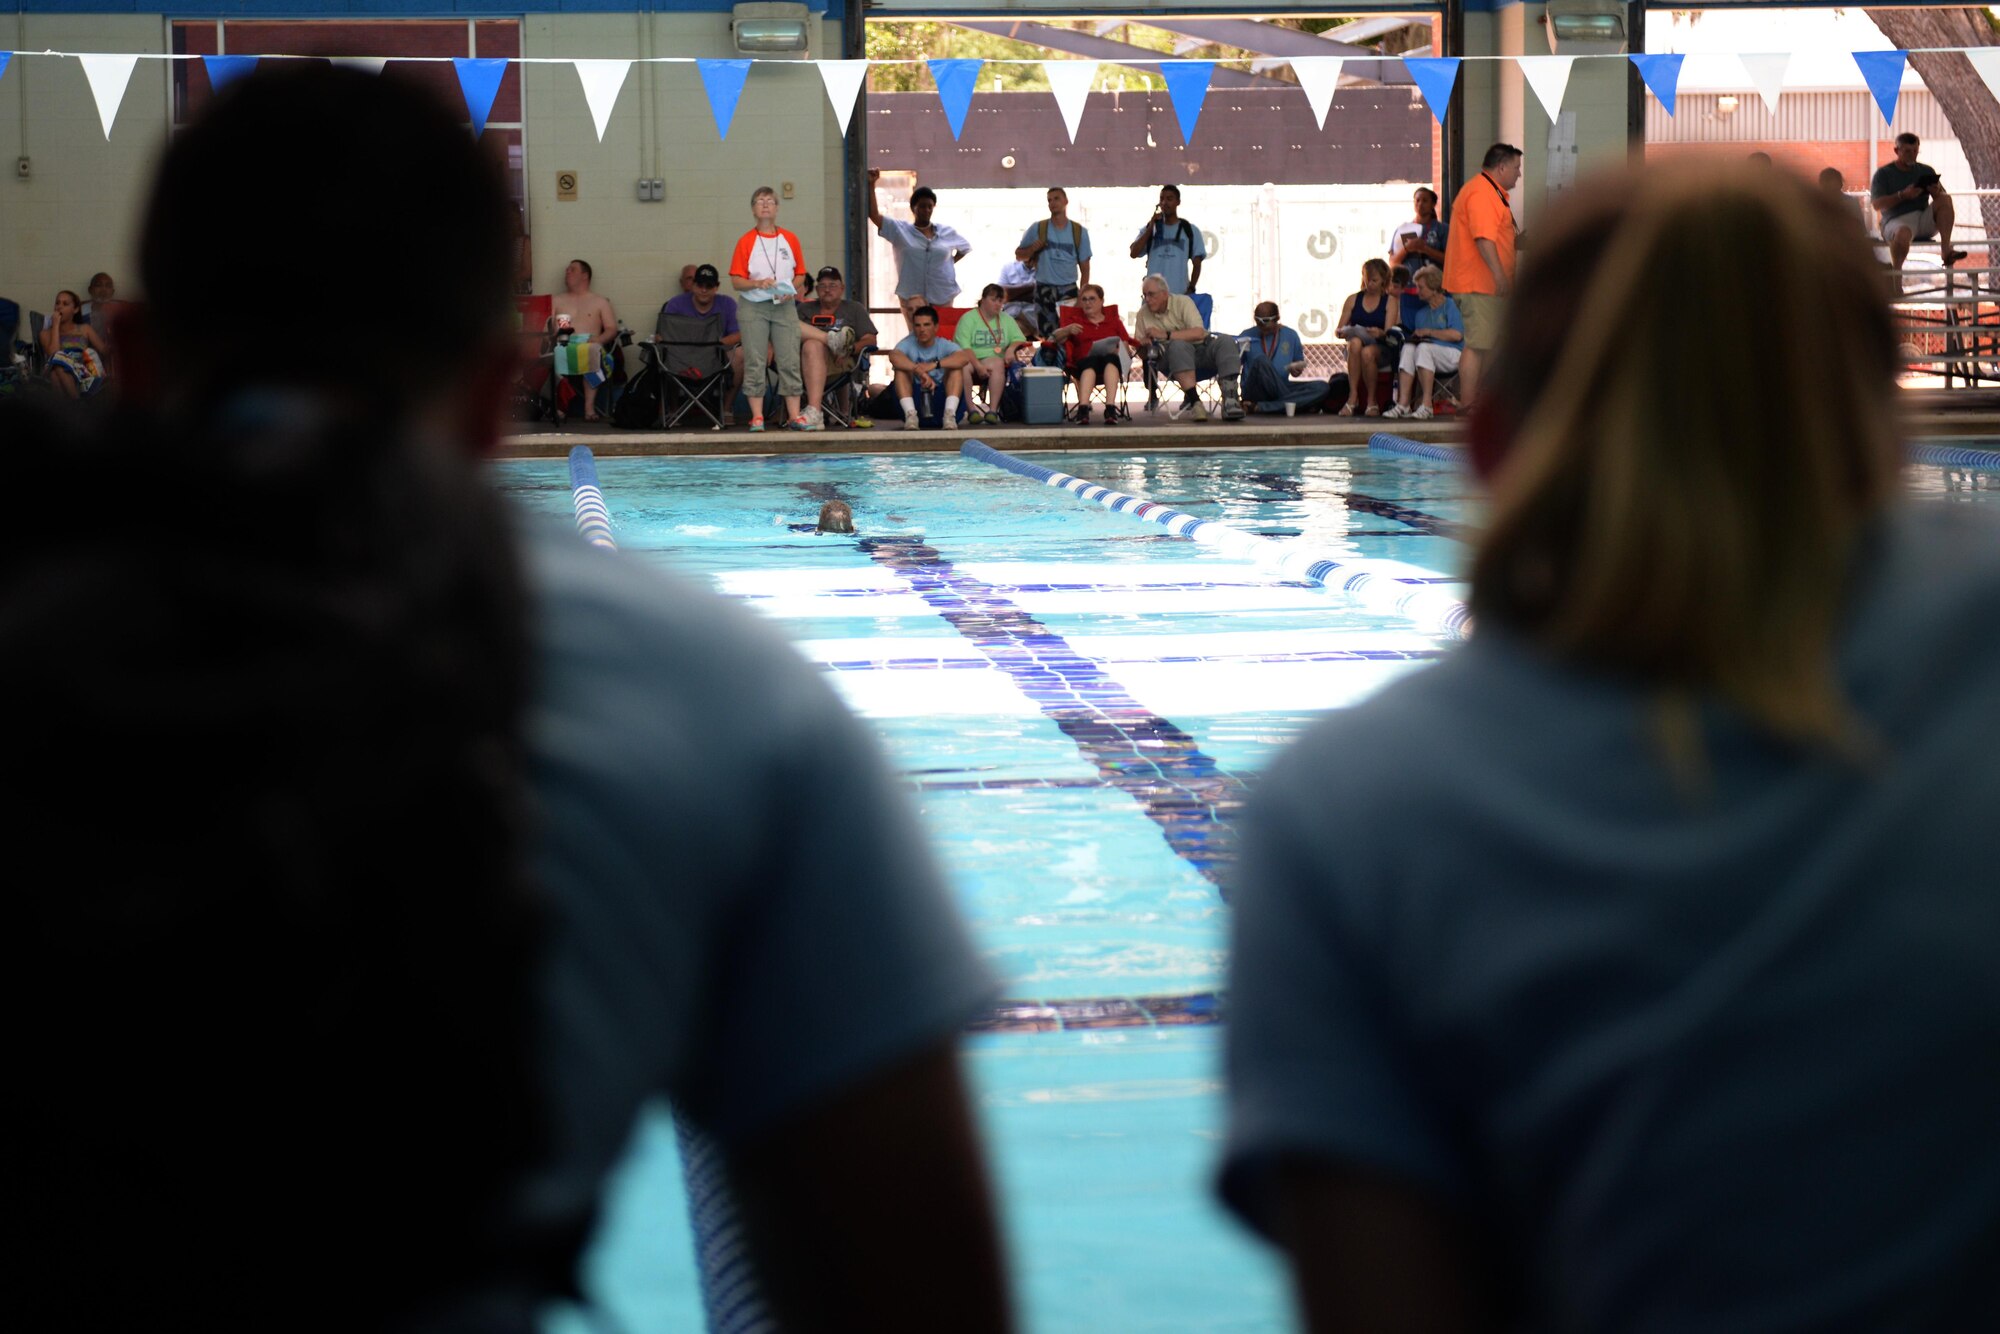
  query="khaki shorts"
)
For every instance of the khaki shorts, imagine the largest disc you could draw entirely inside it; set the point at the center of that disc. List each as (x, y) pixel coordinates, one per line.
(1482, 319)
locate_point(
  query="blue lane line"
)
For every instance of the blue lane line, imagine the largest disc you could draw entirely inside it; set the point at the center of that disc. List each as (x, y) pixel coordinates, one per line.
(1953, 456)
(1158, 765)
(1323, 655)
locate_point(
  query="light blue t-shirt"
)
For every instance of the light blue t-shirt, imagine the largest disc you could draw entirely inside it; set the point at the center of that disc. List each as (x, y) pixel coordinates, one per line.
(1285, 348)
(1068, 247)
(940, 348)
(746, 918)
(1417, 314)
(1171, 248)
(1693, 1064)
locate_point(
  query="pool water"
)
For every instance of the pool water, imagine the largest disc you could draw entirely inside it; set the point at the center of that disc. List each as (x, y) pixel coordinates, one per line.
(1087, 857)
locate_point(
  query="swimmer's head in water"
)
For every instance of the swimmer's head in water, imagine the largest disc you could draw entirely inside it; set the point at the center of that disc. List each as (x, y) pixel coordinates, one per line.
(836, 517)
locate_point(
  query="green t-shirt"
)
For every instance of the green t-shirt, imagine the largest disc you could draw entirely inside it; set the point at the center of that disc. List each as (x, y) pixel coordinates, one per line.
(984, 340)
(1892, 179)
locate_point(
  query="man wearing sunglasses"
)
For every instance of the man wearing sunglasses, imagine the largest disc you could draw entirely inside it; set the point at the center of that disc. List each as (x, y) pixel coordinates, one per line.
(1272, 356)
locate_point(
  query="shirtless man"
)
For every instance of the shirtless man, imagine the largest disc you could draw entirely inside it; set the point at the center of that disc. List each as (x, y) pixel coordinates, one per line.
(588, 318)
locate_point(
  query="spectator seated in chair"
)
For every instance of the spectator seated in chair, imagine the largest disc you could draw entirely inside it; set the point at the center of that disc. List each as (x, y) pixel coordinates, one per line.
(1096, 349)
(1272, 356)
(585, 329)
(996, 343)
(702, 297)
(1365, 321)
(1170, 327)
(930, 374)
(73, 352)
(1436, 341)
(835, 337)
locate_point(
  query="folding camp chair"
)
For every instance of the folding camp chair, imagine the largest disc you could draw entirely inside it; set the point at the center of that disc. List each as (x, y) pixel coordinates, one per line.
(694, 368)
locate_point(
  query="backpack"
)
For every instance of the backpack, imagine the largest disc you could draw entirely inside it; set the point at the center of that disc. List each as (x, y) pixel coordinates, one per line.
(638, 408)
(1185, 231)
(1042, 237)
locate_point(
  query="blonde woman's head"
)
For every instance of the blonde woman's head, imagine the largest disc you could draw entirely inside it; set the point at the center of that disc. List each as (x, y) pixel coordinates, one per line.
(1375, 274)
(1680, 461)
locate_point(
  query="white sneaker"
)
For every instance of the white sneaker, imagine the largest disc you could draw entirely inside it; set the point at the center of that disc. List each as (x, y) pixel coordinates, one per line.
(951, 422)
(911, 423)
(1421, 414)
(1398, 411)
(815, 420)
(838, 341)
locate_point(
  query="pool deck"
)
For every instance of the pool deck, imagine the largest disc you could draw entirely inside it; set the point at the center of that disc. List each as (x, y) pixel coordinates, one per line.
(1932, 414)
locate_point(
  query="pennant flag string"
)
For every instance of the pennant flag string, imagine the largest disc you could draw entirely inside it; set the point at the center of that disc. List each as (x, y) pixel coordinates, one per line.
(479, 80)
(362, 64)
(109, 76)
(955, 80)
(724, 81)
(1662, 74)
(225, 70)
(1070, 81)
(1882, 71)
(602, 81)
(1435, 76)
(1187, 87)
(1318, 76)
(843, 80)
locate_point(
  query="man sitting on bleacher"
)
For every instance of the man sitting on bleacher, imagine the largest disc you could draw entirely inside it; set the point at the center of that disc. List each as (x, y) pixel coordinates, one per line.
(1912, 203)
(1169, 328)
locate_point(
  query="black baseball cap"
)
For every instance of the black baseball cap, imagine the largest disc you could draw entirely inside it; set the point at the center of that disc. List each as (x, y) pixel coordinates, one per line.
(706, 276)
(829, 272)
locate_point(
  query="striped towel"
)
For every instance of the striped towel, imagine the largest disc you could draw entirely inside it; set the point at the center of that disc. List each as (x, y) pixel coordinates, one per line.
(581, 356)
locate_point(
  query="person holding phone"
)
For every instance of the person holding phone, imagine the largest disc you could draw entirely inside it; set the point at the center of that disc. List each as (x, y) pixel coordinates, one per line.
(1171, 245)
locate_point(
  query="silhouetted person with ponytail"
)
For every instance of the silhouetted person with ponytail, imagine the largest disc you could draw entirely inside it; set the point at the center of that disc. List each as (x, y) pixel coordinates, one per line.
(1632, 968)
(381, 853)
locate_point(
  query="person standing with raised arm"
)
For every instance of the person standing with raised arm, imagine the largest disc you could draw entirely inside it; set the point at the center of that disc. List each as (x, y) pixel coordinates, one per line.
(1171, 245)
(927, 253)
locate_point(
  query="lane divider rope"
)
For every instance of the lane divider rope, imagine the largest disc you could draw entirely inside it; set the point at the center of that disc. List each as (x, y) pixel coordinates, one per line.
(1376, 586)
(593, 516)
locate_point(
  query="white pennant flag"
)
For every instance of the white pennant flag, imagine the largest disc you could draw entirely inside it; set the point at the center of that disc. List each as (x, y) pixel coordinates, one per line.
(1986, 62)
(1318, 76)
(843, 79)
(108, 77)
(1549, 77)
(1070, 81)
(1767, 76)
(365, 64)
(602, 81)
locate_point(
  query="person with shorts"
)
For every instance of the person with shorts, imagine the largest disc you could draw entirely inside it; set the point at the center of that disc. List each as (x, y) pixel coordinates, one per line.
(1912, 203)
(1479, 258)
(833, 332)
(996, 344)
(768, 268)
(1058, 250)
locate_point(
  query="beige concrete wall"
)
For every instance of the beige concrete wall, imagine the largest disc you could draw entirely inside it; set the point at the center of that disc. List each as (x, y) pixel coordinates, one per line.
(784, 131)
(76, 212)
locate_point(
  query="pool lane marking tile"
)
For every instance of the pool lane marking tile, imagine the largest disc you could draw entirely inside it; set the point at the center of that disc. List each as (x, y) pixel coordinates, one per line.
(1157, 764)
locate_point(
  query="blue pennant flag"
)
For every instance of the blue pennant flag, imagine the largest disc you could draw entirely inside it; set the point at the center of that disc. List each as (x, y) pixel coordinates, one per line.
(1435, 76)
(1187, 85)
(955, 81)
(724, 81)
(1662, 74)
(479, 80)
(1882, 71)
(225, 70)
(5, 56)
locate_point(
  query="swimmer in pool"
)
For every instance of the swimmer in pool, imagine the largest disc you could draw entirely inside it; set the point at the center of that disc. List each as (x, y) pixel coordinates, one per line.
(835, 516)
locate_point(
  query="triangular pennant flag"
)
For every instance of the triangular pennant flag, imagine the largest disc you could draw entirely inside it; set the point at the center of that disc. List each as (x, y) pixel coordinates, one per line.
(602, 81)
(364, 64)
(5, 56)
(479, 80)
(225, 70)
(843, 80)
(1187, 87)
(1986, 62)
(1435, 76)
(108, 77)
(955, 80)
(724, 81)
(1767, 76)
(1318, 76)
(1882, 71)
(1070, 81)
(1549, 77)
(1662, 73)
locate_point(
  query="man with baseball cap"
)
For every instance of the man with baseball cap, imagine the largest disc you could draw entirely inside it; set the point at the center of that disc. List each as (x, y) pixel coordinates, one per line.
(833, 332)
(700, 300)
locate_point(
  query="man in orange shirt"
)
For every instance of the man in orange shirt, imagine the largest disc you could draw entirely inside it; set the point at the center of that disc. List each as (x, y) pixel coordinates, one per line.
(1479, 257)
